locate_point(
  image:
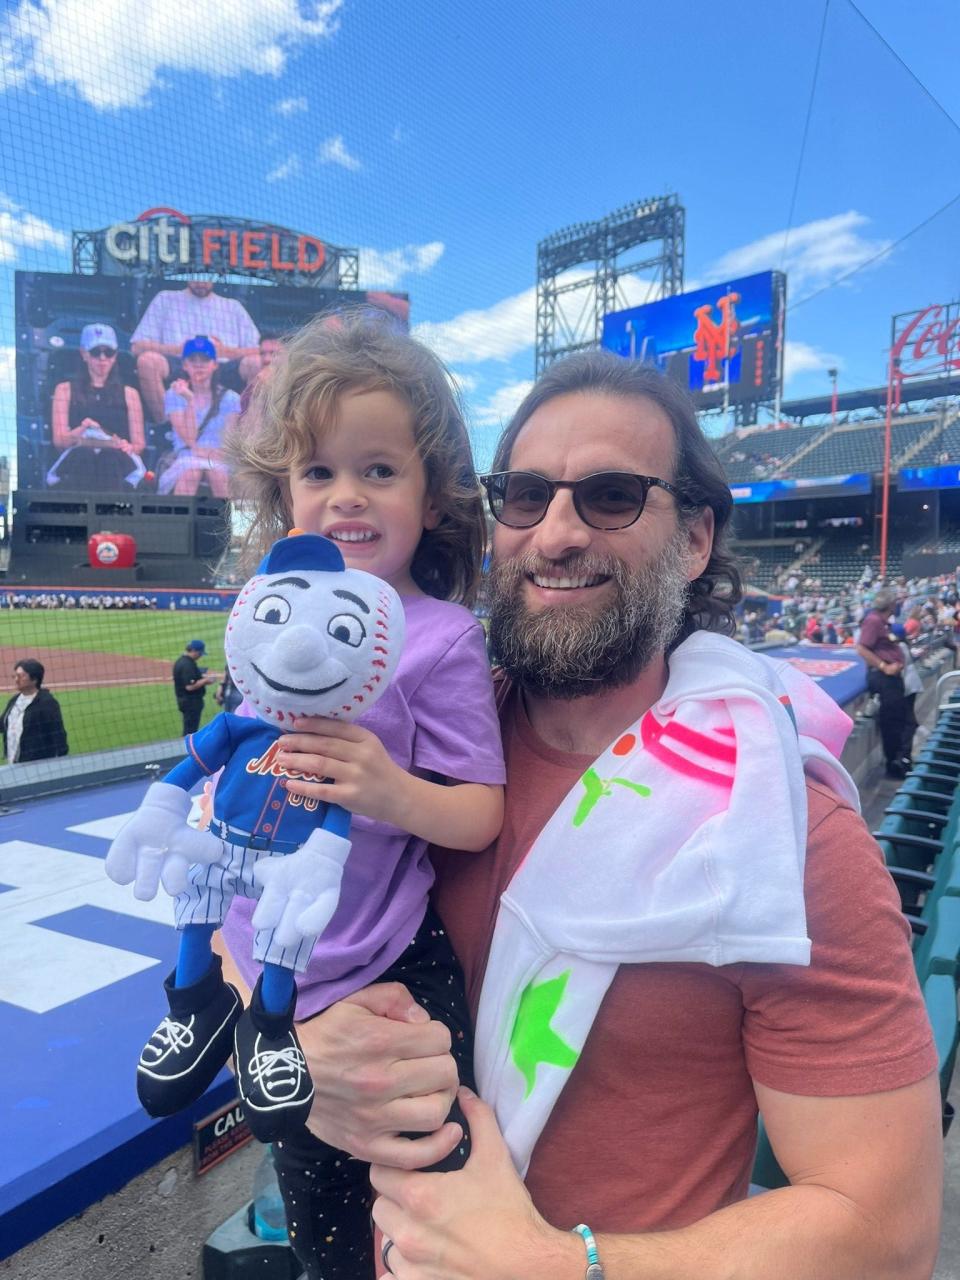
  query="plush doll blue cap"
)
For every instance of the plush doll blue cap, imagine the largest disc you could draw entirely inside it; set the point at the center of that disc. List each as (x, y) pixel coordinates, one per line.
(303, 551)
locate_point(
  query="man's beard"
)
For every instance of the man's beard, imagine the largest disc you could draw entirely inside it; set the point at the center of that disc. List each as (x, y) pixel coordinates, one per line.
(572, 652)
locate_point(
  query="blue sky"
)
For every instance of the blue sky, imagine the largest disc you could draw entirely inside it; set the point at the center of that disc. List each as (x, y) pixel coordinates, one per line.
(445, 140)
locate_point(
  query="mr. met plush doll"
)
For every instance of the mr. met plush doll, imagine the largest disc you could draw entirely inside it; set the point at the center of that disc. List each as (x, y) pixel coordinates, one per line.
(306, 637)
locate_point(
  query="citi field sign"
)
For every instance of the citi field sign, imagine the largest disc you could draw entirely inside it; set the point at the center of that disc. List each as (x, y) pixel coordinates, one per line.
(210, 243)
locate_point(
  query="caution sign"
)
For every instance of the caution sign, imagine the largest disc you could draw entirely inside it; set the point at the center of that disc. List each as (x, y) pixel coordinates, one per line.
(218, 1136)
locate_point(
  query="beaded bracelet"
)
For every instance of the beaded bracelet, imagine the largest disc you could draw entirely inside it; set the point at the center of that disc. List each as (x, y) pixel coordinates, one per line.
(594, 1269)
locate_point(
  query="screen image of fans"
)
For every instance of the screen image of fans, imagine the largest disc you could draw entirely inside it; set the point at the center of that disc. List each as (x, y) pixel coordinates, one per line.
(118, 387)
(721, 342)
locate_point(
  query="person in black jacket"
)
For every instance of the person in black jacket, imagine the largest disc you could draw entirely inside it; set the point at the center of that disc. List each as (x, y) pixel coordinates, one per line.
(190, 685)
(31, 723)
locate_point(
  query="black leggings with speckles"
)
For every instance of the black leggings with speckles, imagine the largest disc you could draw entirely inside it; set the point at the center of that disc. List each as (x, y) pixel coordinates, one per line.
(326, 1193)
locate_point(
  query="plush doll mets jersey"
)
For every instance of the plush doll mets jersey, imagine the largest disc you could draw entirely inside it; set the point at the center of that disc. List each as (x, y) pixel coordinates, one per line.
(306, 637)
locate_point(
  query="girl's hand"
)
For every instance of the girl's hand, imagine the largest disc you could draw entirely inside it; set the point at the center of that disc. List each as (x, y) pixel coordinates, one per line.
(476, 1224)
(362, 776)
(182, 387)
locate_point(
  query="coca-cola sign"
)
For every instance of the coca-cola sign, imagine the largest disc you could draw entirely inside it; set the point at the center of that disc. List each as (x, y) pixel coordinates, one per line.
(926, 341)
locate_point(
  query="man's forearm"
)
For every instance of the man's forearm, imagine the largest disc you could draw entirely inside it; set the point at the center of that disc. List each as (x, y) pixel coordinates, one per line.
(795, 1233)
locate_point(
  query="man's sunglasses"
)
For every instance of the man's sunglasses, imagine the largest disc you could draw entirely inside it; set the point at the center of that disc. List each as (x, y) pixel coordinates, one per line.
(606, 500)
(103, 353)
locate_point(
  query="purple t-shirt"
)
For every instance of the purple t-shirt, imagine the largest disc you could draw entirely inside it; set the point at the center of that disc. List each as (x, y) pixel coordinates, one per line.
(437, 716)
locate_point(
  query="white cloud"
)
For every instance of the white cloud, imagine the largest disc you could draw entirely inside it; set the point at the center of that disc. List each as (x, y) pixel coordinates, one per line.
(800, 357)
(116, 56)
(288, 168)
(22, 230)
(8, 369)
(464, 382)
(334, 151)
(816, 252)
(385, 268)
(499, 408)
(509, 327)
(291, 106)
(499, 332)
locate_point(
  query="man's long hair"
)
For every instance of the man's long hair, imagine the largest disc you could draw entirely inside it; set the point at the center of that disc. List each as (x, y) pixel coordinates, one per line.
(714, 595)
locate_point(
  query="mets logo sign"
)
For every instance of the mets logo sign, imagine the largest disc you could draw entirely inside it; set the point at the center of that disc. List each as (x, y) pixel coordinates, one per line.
(107, 552)
(715, 341)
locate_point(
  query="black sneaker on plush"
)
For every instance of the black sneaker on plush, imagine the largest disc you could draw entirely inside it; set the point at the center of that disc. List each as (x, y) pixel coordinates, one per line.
(182, 1057)
(276, 1090)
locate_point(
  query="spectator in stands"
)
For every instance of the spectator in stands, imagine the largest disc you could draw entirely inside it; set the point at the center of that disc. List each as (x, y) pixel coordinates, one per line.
(253, 368)
(655, 1131)
(97, 421)
(200, 410)
(190, 685)
(270, 347)
(32, 723)
(174, 316)
(881, 652)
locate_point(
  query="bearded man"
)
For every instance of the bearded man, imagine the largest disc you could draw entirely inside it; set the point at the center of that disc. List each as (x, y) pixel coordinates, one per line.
(635, 943)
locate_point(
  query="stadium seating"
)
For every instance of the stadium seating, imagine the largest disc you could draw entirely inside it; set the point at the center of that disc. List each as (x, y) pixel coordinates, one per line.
(761, 453)
(946, 442)
(759, 561)
(920, 839)
(947, 540)
(860, 448)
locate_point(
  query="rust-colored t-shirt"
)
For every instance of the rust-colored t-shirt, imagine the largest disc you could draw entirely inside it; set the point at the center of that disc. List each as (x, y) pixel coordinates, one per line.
(657, 1125)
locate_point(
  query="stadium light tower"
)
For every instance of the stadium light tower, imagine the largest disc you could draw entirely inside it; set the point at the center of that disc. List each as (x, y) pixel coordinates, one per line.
(580, 270)
(832, 375)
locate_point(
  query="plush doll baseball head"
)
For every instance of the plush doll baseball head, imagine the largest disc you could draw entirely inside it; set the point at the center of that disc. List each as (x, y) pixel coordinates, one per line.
(309, 637)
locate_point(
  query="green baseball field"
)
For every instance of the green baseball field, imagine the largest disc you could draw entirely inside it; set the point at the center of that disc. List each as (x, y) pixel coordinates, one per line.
(111, 670)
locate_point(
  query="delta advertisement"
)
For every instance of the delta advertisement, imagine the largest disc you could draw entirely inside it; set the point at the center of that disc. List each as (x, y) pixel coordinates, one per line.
(723, 343)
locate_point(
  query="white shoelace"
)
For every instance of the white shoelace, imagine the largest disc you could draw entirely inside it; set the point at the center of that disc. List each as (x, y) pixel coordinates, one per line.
(171, 1035)
(286, 1064)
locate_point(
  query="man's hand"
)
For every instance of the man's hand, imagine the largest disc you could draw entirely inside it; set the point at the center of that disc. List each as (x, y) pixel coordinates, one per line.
(362, 776)
(157, 845)
(381, 1068)
(476, 1224)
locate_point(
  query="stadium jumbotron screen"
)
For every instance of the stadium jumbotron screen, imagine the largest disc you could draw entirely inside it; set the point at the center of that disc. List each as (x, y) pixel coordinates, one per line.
(102, 391)
(722, 343)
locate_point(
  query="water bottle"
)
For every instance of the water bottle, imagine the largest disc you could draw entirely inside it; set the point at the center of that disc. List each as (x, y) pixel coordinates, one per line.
(269, 1217)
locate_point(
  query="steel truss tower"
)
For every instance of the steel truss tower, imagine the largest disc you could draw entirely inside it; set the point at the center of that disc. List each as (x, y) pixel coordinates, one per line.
(580, 272)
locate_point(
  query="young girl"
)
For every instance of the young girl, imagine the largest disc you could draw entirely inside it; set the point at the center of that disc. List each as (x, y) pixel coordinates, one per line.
(200, 411)
(357, 435)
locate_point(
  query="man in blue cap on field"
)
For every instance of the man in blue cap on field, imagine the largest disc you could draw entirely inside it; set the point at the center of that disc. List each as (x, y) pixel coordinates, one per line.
(190, 685)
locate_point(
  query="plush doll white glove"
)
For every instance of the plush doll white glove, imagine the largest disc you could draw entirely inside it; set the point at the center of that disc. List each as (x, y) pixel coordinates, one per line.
(156, 845)
(301, 890)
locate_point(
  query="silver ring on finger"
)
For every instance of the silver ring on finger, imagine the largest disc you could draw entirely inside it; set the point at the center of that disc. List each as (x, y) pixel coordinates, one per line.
(385, 1254)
